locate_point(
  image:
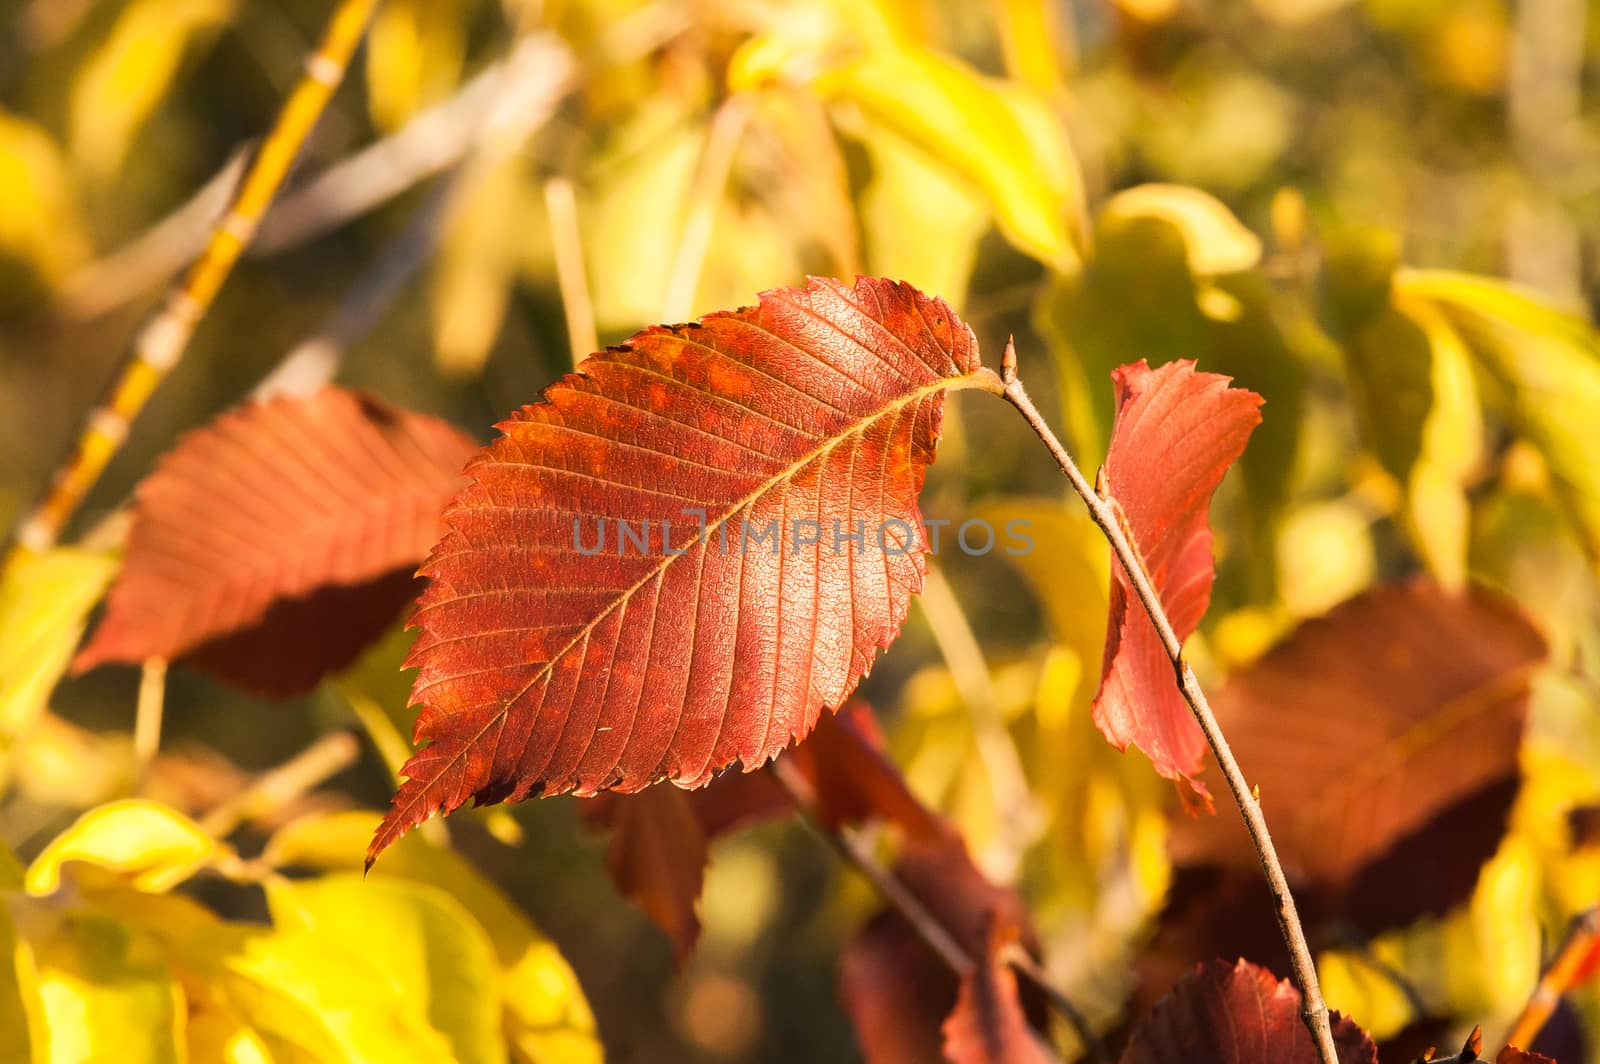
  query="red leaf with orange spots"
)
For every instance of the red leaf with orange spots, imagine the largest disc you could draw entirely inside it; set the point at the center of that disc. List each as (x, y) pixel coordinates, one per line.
(1176, 433)
(676, 651)
(1236, 1014)
(272, 545)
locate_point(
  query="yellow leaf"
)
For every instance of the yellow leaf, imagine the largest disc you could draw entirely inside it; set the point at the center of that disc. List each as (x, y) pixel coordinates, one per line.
(116, 91)
(1000, 137)
(415, 51)
(96, 992)
(1325, 555)
(415, 938)
(476, 265)
(545, 1002)
(43, 601)
(151, 844)
(922, 223)
(41, 223)
(13, 1016)
(1217, 241)
(1546, 366)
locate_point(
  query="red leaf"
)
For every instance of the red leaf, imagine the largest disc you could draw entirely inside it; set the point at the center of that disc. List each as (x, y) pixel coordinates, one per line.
(1175, 435)
(1236, 1014)
(661, 837)
(272, 545)
(988, 1025)
(1365, 731)
(543, 670)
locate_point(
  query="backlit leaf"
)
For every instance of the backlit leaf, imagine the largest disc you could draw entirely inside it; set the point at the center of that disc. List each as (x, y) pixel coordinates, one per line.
(678, 651)
(1237, 1014)
(271, 546)
(429, 950)
(1000, 137)
(1176, 433)
(44, 602)
(1546, 365)
(153, 845)
(94, 989)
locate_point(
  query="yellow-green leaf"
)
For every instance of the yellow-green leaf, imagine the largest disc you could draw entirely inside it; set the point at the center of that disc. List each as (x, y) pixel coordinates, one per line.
(44, 599)
(415, 938)
(96, 992)
(546, 1006)
(42, 223)
(1217, 242)
(121, 84)
(998, 136)
(1546, 365)
(154, 846)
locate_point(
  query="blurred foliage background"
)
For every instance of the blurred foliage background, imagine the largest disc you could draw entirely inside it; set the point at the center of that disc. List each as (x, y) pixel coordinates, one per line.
(1275, 188)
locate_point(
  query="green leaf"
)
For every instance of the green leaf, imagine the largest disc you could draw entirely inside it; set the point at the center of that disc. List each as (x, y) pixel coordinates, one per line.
(13, 1016)
(44, 599)
(1546, 366)
(1216, 241)
(153, 845)
(415, 940)
(97, 991)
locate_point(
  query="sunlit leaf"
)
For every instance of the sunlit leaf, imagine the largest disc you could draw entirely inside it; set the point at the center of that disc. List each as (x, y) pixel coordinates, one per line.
(116, 91)
(548, 1016)
(999, 137)
(44, 601)
(153, 845)
(1176, 434)
(42, 223)
(1546, 366)
(96, 990)
(819, 405)
(435, 958)
(1215, 240)
(415, 50)
(271, 546)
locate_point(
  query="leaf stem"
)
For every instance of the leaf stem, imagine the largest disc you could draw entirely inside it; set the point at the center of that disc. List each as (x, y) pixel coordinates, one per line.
(1103, 511)
(857, 853)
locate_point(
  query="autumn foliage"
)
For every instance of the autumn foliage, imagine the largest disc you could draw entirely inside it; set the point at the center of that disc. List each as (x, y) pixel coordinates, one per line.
(715, 718)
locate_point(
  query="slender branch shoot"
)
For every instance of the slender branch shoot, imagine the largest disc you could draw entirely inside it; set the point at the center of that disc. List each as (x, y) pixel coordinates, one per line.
(1105, 513)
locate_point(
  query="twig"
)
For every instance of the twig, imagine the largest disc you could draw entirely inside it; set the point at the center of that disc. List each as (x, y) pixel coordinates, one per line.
(857, 853)
(147, 715)
(1557, 979)
(328, 756)
(562, 207)
(161, 341)
(1019, 814)
(1104, 514)
(716, 163)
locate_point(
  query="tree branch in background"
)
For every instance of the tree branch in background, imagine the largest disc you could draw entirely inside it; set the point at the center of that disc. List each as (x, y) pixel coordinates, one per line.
(161, 340)
(1105, 513)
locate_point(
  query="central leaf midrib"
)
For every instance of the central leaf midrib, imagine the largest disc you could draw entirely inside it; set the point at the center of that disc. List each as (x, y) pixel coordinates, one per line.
(966, 380)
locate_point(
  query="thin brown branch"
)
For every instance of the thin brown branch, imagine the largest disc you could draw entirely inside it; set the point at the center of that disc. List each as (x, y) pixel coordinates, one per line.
(856, 852)
(1105, 514)
(1558, 978)
(566, 239)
